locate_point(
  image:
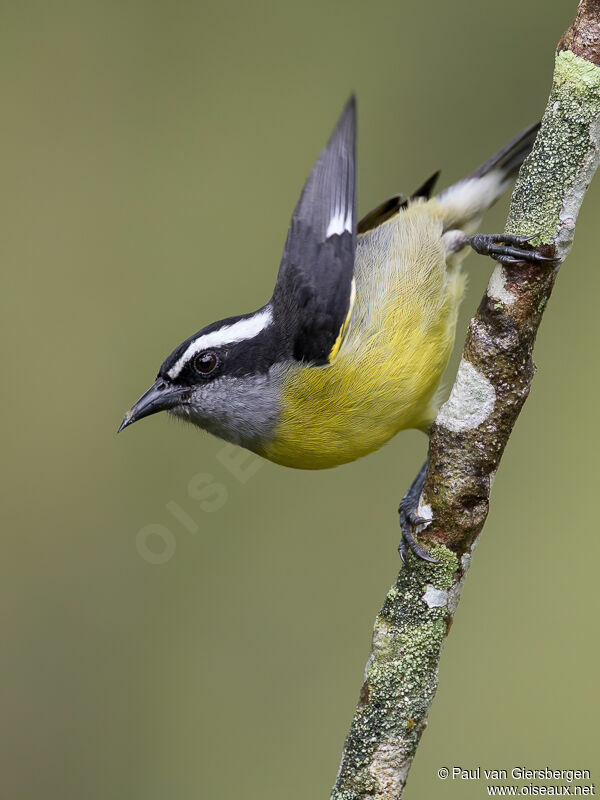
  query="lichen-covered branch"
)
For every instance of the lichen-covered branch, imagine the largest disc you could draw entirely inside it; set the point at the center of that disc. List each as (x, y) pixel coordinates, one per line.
(472, 429)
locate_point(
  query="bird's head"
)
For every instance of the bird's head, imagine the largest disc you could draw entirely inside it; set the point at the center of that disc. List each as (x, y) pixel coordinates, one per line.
(221, 380)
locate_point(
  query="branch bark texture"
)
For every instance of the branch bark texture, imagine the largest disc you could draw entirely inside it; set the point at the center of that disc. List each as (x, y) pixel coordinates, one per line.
(473, 427)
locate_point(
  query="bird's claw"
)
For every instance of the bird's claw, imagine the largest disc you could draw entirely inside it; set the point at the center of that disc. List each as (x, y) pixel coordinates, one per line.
(408, 522)
(410, 519)
(414, 519)
(507, 249)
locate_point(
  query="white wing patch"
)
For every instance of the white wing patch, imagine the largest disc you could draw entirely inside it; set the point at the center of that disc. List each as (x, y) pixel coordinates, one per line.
(341, 218)
(338, 224)
(242, 329)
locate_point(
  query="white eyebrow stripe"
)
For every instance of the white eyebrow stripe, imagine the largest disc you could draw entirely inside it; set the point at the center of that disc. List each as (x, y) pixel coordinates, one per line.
(246, 328)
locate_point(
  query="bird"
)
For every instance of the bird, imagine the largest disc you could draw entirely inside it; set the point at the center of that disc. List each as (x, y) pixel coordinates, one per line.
(351, 347)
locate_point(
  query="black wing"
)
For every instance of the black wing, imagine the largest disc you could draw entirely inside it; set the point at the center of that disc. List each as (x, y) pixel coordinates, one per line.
(313, 288)
(383, 212)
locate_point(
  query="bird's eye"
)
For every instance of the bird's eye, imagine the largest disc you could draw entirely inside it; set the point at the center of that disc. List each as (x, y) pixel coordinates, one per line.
(205, 363)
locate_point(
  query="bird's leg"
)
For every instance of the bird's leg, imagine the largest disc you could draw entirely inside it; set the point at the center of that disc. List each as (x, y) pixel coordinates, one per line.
(506, 248)
(409, 519)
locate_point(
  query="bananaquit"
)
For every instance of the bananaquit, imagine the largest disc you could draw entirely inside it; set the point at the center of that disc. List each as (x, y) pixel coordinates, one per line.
(351, 347)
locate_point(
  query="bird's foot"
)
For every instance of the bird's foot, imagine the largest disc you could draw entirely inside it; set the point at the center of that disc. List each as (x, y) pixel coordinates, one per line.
(508, 249)
(410, 519)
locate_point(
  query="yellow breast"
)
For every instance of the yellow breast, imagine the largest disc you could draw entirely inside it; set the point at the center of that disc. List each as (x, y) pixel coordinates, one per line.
(388, 367)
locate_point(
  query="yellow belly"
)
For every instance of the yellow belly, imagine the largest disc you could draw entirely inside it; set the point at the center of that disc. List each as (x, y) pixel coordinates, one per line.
(387, 371)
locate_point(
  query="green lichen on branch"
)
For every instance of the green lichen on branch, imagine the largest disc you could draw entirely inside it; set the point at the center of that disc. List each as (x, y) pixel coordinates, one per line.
(400, 679)
(567, 141)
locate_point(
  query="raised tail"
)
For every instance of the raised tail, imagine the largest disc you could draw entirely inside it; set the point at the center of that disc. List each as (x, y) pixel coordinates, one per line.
(465, 202)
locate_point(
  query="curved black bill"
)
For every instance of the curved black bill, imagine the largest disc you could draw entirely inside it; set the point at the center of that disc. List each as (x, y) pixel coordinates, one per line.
(159, 397)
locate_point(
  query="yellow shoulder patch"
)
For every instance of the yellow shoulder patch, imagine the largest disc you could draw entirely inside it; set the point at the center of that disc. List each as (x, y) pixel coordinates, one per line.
(344, 329)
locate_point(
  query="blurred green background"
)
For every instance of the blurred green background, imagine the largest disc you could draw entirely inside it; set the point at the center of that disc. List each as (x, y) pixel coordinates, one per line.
(152, 155)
